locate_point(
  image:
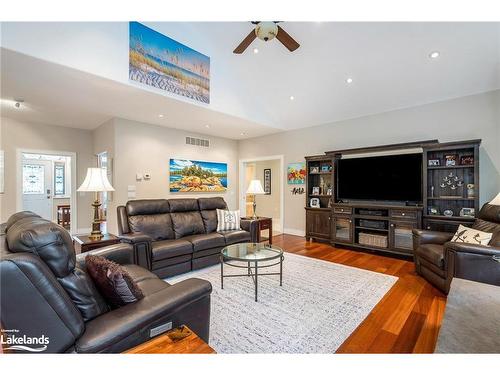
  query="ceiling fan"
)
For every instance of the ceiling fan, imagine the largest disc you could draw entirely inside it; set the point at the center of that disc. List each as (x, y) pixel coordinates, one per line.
(266, 31)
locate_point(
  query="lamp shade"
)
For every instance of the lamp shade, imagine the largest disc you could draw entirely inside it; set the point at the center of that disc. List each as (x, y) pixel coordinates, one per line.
(96, 180)
(496, 201)
(255, 187)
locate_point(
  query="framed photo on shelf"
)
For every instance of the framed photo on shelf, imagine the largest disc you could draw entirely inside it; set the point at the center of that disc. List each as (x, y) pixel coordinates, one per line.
(267, 181)
(467, 160)
(451, 160)
(326, 168)
(314, 170)
(315, 190)
(329, 191)
(433, 162)
(314, 203)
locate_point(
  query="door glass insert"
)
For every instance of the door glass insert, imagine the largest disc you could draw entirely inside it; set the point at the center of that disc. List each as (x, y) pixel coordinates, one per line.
(59, 179)
(33, 179)
(343, 229)
(403, 238)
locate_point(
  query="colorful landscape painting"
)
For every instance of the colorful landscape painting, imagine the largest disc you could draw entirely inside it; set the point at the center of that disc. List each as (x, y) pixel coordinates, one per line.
(197, 176)
(159, 61)
(296, 173)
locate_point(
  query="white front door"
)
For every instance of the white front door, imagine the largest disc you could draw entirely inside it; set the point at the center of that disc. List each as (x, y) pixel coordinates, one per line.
(37, 187)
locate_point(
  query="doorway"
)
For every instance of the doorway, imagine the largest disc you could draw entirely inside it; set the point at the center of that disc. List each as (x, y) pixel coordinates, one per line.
(46, 185)
(269, 170)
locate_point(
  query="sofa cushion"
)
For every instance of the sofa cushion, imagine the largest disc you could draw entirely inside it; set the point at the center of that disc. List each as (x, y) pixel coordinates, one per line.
(470, 235)
(156, 226)
(113, 281)
(209, 220)
(170, 248)
(235, 236)
(206, 241)
(228, 220)
(147, 207)
(138, 273)
(187, 223)
(183, 205)
(208, 211)
(432, 253)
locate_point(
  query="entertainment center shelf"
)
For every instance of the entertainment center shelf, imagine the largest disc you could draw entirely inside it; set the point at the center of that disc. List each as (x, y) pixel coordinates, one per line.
(448, 179)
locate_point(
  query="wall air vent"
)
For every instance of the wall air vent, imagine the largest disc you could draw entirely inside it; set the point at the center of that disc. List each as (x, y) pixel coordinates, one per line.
(197, 142)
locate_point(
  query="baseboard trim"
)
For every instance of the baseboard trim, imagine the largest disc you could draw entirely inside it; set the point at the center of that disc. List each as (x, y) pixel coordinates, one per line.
(295, 232)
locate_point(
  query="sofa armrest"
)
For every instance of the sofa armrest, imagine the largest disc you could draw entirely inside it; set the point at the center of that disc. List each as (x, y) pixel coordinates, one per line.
(121, 253)
(251, 226)
(472, 262)
(130, 325)
(134, 238)
(422, 237)
(142, 247)
(462, 247)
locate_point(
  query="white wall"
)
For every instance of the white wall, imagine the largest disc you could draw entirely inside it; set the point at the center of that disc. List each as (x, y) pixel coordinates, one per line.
(21, 135)
(269, 205)
(464, 118)
(141, 148)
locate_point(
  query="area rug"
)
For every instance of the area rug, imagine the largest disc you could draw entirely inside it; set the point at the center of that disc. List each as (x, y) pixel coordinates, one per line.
(319, 305)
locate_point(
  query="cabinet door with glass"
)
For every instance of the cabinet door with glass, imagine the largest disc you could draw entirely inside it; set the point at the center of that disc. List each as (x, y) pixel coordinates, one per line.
(342, 229)
(401, 235)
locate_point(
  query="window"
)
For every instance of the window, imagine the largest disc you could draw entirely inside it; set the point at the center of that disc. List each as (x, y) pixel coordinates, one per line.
(33, 179)
(59, 179)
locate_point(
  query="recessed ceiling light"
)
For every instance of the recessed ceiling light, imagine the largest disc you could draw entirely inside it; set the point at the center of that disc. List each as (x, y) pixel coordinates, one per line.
(207, 126)
(242, 133)
(434, 55)
(349, 80)
(160, 116)
(292, 97)
(255, 50)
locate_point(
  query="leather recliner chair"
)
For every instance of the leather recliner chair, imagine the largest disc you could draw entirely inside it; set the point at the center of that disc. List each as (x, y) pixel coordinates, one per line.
(174, 236)
(438, 260)
(45, 290)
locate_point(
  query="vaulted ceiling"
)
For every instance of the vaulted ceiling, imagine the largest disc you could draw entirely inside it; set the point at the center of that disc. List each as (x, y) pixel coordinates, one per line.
(389, 65)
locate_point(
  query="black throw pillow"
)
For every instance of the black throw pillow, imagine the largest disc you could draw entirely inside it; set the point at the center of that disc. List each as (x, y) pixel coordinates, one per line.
(113, 282)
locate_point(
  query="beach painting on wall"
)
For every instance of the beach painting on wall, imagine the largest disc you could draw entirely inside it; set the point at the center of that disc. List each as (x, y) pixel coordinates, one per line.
(296, 173)
(159, 61)
(187, 176)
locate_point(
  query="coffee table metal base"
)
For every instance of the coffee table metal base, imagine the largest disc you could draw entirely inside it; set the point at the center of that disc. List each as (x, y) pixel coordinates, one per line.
(252, 271)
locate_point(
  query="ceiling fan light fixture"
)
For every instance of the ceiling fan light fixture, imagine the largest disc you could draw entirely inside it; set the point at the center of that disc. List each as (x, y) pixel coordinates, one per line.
(266, 31)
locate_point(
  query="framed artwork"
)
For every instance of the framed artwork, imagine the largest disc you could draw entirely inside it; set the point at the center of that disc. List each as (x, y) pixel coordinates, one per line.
(315, 190)
(267, 181)
(160, 62)
(296, 173)
(187, 176)
(314, 170)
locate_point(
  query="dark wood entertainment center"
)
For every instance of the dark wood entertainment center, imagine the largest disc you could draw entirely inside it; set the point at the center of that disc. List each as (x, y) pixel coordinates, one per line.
(448, 172)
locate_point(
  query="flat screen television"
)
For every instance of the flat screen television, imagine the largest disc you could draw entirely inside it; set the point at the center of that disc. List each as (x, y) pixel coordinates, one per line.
(395, 178)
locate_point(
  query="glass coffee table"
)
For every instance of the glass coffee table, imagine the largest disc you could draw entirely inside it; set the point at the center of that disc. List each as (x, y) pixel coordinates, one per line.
(256, 256)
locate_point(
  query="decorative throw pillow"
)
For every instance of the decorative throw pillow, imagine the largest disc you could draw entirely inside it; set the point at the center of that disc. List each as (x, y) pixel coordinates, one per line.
(474, 236)
(228, 220)
(112, 281)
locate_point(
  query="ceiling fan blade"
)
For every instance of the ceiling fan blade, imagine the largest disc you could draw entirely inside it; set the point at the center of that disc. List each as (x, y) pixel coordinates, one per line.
(246, 42)
(287, 40)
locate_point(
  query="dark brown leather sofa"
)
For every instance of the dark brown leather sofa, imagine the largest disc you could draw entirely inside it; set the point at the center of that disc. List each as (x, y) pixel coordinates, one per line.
(45, 290)
(178, 235)
(438, 260)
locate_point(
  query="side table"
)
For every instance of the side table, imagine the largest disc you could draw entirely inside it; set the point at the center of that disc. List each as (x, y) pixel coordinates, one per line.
(83, 243)
(264, 223)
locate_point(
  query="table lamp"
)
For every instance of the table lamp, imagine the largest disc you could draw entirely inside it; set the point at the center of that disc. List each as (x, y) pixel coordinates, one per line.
(96, 181)
(255, 188)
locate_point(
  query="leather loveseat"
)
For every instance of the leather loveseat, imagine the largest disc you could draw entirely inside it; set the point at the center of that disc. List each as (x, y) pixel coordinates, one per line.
(174, 236)
(438, 260)
(45, 291)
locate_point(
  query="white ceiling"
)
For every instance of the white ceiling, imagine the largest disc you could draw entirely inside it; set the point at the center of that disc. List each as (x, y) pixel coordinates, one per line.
(388, 62)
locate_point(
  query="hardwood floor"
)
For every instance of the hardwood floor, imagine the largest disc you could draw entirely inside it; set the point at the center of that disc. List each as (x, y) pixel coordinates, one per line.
(406, 320)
